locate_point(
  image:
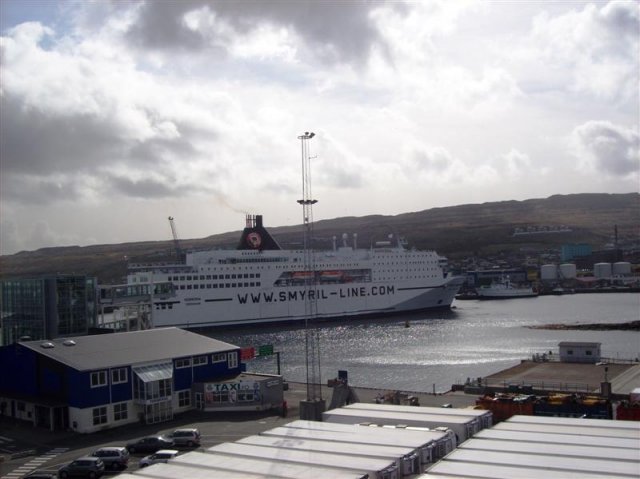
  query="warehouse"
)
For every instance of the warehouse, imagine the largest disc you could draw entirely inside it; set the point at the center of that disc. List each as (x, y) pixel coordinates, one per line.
(92, 383)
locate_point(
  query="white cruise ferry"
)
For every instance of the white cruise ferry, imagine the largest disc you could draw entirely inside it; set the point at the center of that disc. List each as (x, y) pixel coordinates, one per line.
(259, 282)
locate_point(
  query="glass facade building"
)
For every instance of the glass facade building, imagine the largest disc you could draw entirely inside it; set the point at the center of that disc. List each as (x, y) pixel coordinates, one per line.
(47, 307)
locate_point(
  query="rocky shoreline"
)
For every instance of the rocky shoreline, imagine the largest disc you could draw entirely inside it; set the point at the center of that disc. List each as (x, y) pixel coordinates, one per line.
(628, 326)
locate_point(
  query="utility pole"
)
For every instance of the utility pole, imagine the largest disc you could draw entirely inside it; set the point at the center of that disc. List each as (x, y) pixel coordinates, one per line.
(313, 407)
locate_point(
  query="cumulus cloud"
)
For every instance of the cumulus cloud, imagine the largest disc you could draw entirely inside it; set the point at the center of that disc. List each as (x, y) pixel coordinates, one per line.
(598, 43)
(167, 105)
(607, 148)
(431, 160)
(517, 163)
(334, 32)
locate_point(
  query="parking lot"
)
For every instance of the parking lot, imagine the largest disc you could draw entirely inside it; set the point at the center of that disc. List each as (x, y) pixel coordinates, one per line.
(26, 448)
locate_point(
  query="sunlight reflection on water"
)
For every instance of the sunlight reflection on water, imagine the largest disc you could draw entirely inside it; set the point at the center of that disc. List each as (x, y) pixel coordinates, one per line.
(475, 339)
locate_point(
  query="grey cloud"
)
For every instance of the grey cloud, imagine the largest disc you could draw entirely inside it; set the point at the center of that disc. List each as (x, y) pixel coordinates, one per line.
(35, 142)
(339, 177)
(161, 26)
(622, 18)
(146, 188)
(336, 31)
(613, 149)
(35, 190)
(436, 159)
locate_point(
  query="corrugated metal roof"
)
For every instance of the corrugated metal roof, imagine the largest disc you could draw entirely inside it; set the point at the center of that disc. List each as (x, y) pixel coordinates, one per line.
(134, 347)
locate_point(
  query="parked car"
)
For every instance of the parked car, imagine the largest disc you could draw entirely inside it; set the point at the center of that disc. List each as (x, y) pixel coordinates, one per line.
(163, 455)
(150, 444)
(87, 466)
(186, 437)
(114, 457)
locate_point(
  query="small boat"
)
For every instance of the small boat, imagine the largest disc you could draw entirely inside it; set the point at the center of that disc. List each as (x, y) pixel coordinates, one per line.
(505, 289)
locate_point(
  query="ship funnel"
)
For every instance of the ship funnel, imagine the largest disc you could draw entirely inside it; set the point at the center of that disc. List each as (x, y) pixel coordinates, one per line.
(334, 243)
(355, 240)
(344, 239)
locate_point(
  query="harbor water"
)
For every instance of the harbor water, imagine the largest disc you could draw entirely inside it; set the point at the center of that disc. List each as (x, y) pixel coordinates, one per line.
(431, 351)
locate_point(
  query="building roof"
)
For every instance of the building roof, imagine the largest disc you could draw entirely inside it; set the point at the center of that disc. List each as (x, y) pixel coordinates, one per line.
(122, 349)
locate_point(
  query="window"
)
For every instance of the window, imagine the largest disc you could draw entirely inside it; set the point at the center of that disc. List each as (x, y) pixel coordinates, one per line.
(200, 360)
(120, 411)
(119, 376)
(99, 415)
(184, 398)
(232, 359)
(183, 363)
(245, 395)
(164, 387)
(218, 358)
(98, 379)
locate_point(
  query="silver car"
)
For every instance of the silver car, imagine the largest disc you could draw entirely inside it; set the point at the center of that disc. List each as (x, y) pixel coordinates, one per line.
(163, 455)
(185, 437)
(114, 457)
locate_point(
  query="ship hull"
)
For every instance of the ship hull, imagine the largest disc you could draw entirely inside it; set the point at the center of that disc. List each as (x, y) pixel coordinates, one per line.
(278, 305)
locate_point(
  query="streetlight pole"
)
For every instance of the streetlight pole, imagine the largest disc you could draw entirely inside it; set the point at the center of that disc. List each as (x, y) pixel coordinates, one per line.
(312, 408)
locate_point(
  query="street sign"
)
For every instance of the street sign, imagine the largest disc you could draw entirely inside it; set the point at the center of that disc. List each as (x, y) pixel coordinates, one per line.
(265, 350)
(247, 353)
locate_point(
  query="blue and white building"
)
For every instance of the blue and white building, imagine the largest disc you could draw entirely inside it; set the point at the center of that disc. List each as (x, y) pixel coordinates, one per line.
(90, 383)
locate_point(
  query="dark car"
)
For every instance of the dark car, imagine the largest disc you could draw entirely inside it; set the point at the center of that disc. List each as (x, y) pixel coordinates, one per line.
(87, 466)
(150, 444)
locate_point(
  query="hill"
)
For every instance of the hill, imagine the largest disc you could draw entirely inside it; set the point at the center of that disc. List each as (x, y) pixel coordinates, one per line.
(456, 231)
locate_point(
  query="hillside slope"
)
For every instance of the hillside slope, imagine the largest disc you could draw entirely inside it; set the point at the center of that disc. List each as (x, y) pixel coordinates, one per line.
(457, 231)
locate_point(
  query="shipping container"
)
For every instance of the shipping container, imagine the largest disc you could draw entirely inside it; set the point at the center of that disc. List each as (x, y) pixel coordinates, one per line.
(534, 461)
(553, 429)
(534, 437)
(463, 427)
(601, 451)
(439, 441)
(405, 458)
(174, 471)
(485, 417)
(576, 422)
(374, 468)
(493, 471)
(429, 446)
(276, 469)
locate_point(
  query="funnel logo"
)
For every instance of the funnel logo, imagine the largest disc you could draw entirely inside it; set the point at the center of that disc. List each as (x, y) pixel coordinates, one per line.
(254, 240)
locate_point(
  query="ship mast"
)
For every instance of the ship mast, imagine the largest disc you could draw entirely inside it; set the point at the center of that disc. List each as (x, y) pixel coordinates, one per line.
(314, 406)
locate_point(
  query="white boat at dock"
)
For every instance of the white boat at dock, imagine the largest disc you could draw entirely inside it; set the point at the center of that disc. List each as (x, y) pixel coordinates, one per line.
(505, 289)
(259, 282)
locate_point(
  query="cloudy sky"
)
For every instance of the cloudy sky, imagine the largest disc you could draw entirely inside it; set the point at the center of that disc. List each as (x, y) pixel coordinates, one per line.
(118, 114)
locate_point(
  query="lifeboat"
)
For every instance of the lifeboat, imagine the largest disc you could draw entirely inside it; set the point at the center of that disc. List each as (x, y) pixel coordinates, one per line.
(331, 275)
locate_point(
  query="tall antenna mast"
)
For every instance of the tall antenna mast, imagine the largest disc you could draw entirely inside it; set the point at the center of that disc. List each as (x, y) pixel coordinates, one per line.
(314, 406)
